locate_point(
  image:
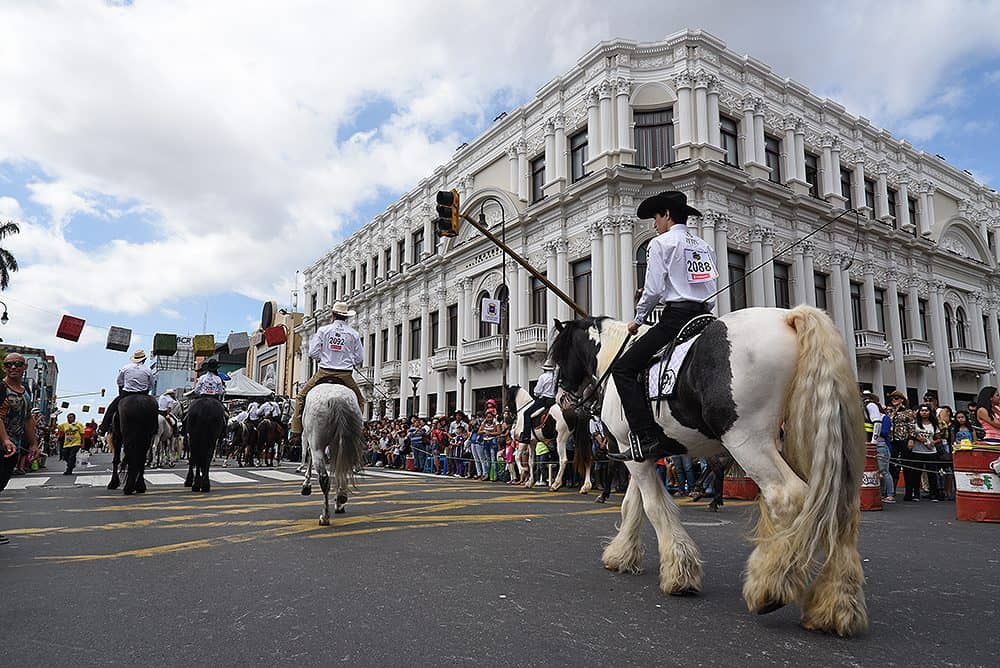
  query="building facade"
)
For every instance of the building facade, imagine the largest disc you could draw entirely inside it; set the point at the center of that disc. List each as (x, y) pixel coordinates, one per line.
(910, 279)
(41, 376)
(274, 366)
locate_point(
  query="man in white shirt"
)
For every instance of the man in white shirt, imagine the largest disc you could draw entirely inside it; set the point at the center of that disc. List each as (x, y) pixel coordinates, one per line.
(338, 349)
(133, 378)
(166, 401)
(209, 384)
(545, 396)
(680, 274)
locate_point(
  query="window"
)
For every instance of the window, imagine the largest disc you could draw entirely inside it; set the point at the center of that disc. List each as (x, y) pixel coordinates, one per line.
(737, 279)
(781, 296)
(374, 262)
(578, 154)
(870, 194)
(911, 207)
(400, 254)
(371, 349)
(415, 352)
(890, 202)
(986, 329)
(772, 157)
(845, 187)
(343, 285)
(385, 345)
(581, 283)
(435, 339)
(922, 304)
(453, 325)
(312, 302)
(399, 342)
(417, 241)
(812, 173)
(503, 296)
(326, 295)
(432, 403)
(904, 325)
(538, 179)
(641, 260)
(879, 310)
(387, 260)
(654, 138)
(947, 325)
(539, 299)
(730, 141)
(485, 328)
(364, 274)
(334, 295)
(856, 314)
(451, 399)
(354, 280)
(960, 324)
(819, 288)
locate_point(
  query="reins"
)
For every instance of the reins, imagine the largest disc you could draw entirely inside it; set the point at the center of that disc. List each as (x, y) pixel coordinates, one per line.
(604, 377)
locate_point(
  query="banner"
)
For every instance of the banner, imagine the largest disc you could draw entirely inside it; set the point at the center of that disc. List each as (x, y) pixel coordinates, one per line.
(490, 311)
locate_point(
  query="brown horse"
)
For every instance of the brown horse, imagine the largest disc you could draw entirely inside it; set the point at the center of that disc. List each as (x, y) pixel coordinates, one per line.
(269, 440)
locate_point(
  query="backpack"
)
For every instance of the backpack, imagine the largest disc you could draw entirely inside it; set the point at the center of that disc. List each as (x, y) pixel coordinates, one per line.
(885, 431)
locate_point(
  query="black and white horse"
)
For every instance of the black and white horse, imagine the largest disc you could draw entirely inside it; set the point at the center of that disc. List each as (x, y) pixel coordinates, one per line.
(557, 428)
(333, 435)
(133, 431)
(206, 420)
(751, 374)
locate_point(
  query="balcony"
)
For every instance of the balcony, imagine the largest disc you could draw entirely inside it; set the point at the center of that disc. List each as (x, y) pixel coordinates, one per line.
(871, 344)
(390, 371)
(974, 361)
(488, 350)
(367, 375)
(445, 359)
(531, 340)
(916, 351)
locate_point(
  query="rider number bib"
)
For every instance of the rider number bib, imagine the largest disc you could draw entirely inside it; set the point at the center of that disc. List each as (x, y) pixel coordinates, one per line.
(699, 266)
(336, 342)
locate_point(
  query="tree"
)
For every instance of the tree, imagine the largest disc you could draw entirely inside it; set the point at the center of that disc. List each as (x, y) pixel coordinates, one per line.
(7, 261)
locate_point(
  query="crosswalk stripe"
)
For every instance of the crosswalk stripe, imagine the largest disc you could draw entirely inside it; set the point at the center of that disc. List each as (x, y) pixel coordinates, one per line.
(278, 475)
(23, 483)
(93, 480)
(225, 476)
(384, 474)
(163, 479)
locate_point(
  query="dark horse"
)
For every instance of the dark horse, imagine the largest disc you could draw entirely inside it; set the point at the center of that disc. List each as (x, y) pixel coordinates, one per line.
(134, 428)
(270, 436)
(206, 420)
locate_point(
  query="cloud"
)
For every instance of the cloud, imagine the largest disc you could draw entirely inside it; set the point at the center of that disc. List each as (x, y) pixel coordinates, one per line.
(923, 128)
(10, 208)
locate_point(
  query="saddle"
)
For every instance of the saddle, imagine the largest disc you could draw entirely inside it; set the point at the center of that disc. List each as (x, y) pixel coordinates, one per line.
(666, 364)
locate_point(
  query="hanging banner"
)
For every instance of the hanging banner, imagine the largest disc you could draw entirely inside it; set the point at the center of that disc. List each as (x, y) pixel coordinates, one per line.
(204, 345)
(490, 311)
(119, 339)
(70, 328)
(101, 409)
(85, 408)
(164, 344)
(238, 342)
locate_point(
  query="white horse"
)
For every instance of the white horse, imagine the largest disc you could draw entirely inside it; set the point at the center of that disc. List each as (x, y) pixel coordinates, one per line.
(562, 431)
(750, 374)
(165, 444)
(332, 432)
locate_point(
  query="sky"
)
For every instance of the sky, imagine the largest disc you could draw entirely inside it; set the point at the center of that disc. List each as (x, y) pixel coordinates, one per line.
(172, 164)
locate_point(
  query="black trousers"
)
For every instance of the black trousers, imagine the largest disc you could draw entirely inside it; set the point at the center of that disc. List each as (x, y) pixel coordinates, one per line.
(635, 360)
(541, 403)
(71, 458)
(112, 411)
(7, 465)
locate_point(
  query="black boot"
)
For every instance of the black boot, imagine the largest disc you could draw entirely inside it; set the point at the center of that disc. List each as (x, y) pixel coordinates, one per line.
(650, 445)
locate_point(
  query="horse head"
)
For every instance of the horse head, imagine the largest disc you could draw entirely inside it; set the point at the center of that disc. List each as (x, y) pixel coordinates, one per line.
(574, 351)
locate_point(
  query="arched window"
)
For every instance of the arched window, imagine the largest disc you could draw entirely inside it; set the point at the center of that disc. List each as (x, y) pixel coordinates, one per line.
(485, 328)
(503, 294)
(641, 254)
(947, 325)
(960, 325)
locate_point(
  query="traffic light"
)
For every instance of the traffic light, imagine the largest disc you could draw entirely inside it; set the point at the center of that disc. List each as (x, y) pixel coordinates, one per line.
(102, 391)
(447, 220)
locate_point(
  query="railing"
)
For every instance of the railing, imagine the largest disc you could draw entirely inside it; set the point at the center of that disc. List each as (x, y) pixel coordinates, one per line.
(480, 351)
(368, 373)
(445, 359)
(868, 343)
(916, 351)
(966, 359)
(530, 340)
(390, 370)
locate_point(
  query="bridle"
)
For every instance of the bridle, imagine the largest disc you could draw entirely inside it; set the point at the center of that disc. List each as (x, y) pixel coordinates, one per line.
(591, 390)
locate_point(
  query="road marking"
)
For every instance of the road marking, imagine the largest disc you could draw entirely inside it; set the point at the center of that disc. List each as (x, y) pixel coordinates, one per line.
(225, 476)
(279, 475)
(93, 480)
(163, 479)
(386, 474)
(23, 483)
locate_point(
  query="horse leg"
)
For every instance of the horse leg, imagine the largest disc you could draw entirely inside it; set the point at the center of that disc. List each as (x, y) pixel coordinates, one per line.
(115, 481)
(341, 503)
(531, 467)
(307, 482)
(587, 483)
(189, 481)
(835, 602)
(563, 460)
(624, 552)
(324, 484)
(680, 559)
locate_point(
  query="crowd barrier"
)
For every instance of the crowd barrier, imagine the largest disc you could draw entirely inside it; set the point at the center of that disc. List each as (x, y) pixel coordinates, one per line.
(977, 486)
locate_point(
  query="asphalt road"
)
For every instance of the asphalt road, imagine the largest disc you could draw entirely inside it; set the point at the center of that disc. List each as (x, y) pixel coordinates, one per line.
(438, 571)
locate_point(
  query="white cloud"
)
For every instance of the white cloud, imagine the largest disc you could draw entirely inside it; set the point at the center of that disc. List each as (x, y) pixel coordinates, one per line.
(923, 128)
(10, 208)
(170, 313)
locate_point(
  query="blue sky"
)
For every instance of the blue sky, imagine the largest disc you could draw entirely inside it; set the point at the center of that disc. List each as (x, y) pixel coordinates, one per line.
(169, 163)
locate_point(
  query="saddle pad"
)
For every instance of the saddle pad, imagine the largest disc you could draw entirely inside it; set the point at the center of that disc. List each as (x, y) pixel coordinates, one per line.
(662, 380)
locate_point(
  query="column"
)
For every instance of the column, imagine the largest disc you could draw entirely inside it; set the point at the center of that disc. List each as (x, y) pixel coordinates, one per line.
(441, 293)
(978, 303)
(788, 151)
(523, 316)
(551, 301)
(597, 269)
(522, 170)
(430, 234)
(512, 160)
(625, 226)
(798, 277)
(407, 242)
(722, 261)
(611, 267)
(994, 333)
(809, 272)
(379, 353)
(995, 231)
(852, 350)
(767, 248)
(942, 359)
(868, 298)
(393, 253)
(902, 212)
(895, 329)
(701, 108)
(835, 171)
(593, 123)
(882, 191)
(550, 151)
(931, 217)
(515, 297)
(405, 355)
(682, 115)
(758, 131)
(746, 133)
(464, 334)
(561, 158)
(837, 295)
(913, 309)
(607, 127)
(425, 350)
(714, 135)
(708, 220)
(756, 258)
(623, 89)
(858, 181)
(827, 178)
(562, 279)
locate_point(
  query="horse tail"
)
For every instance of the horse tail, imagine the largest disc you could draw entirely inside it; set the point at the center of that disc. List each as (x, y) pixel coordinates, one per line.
(824, 439)
(583, 453)
(347, 422)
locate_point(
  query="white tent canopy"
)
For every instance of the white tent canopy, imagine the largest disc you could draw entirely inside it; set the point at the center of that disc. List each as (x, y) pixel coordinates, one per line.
(239, 385)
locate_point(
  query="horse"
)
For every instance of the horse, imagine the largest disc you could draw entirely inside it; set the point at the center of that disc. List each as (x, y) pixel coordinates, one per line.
(750, 374)
(557, 427)
(333, 433)
(164, 449)
(270, 435)
(206, 420)
(239, 434)
(133, 431)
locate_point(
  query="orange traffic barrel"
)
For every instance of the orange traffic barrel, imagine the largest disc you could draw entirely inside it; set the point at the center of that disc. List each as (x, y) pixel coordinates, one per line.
(738, 485)
(977, 486)
(871, 490)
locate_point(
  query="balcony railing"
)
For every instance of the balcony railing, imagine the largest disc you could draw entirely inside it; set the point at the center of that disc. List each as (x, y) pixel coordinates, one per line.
(965, 359)
(868, 343)
(368, 373)
(916, 351)
(390, 371)
(483, 351)
(531, 340)
(445, 359)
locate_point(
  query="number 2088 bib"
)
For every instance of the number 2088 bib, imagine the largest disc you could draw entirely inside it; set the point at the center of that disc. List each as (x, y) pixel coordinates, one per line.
(699, 266)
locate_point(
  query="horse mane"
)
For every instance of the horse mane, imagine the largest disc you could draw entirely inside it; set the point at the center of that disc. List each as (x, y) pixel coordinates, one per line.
(613, 334)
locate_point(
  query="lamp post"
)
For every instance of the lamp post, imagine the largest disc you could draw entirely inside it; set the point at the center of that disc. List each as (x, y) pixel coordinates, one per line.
(461, 398)
(4, 318)
(416, 381)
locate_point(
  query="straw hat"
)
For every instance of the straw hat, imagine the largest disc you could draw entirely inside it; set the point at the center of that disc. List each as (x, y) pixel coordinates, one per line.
(138, 356)
(340, 308)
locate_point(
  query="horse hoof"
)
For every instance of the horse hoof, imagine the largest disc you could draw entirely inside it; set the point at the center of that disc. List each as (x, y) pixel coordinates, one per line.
(324, 521)
(770, 607)
(128, 492)
(187, 483)
(307, 490)
(339, 511)
(113, 484)
(206, 489)
(196, 487)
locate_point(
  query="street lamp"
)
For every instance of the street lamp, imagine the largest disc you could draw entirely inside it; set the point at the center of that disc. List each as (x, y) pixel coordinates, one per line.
(416, 381)
(4, 318)
(461, 399)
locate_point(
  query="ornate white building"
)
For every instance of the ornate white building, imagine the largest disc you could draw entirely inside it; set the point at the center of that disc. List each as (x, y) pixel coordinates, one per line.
(914, 287)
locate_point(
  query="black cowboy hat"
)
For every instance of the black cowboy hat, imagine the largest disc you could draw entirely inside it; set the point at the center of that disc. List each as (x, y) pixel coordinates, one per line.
(209, 365)
(671, 200)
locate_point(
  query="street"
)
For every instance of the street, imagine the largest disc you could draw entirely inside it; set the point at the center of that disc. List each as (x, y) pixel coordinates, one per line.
(426, 570)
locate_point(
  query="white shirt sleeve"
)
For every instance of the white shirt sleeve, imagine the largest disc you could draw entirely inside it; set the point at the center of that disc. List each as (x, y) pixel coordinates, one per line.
(656, 274)
(359, 353)
(121, 378)
(315, 346)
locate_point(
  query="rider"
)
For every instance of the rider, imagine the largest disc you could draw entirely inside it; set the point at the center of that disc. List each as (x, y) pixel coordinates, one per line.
(680, 273)
(133, 378)
(545, 396)
(165, 404)
(209, 384)
(338, 349)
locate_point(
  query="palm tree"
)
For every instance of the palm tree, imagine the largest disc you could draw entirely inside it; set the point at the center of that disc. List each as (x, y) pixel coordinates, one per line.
(7, 261)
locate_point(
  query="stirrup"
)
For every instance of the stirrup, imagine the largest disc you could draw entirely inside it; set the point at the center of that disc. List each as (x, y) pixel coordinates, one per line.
(634, 452)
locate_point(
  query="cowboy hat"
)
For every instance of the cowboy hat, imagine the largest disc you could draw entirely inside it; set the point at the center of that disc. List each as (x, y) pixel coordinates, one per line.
(548, 366)
(340, 308)
(670, 200)
(138, 356)
(211, 364)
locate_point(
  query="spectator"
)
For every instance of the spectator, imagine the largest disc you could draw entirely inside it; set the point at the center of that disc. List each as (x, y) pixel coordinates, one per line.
(72, 434)
(8, 453)
(16, 410)
(874, 415)
(946, 427)
(963, 430)
(988, 414)
(902, 424)
(923, 450)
